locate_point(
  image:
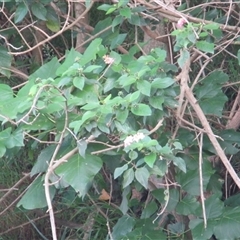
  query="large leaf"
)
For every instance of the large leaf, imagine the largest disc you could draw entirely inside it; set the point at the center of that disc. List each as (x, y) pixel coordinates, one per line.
(124, 225)
(228, 226)
(79, 172)
(162, 83)
(128, 177)
(187, 205)
(48, 70)
(35, 196)
(199, 232)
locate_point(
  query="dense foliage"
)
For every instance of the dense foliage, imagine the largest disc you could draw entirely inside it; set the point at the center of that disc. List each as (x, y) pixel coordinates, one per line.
(119, 143)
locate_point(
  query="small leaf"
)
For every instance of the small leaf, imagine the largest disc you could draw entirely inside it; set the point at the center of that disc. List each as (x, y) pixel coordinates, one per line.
(180, 163)
(79, 82)
(144, 87)
(142, 176)
(211, 26)
(20, 12)
(128, 177)
(150, 159)
(141, 109)
(53, 25)
(126, 80)
(162, 83)
(39, 11)
(119, 171)
(125, 12)
(205, 46)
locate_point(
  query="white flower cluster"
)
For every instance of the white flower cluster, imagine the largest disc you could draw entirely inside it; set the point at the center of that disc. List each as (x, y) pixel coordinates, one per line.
(133, 138)
(108, 60)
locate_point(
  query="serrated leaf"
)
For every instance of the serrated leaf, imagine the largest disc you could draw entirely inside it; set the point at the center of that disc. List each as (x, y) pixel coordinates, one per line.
(205, 46)
(79, 82)
(161, 83)
(39, 11)
(142, 176)
(141, 109)
(79, 172)
(128, 177)
(20, 12)
(35, 195)
(119, 171)
(150, 159)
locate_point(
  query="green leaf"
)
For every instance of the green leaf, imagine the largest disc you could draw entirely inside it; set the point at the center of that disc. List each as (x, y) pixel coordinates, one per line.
(180, 163)
(128, 177)
(52, 20)
(216, 106)
(5, 62)
(157, 102)
(123, 226)
(122, 115)
(149, 210)
(184, 57)
(48, 70)
(142, 176)
(126, 80)
(238, 56)
(141, 109)
(211, 26)
(205, 46)
(39, 11)
(79, 172)
(79, 82)
(125, 12)
(35, 195)
(119, 170)
(6, 93)
(91, 51)
(82, 146)
(137, 20)
(116, 21)
(53, 25)
(150, 159)
(20, 12)
(144, 87)
(43, 160)
(2, 149)
(15, 139)
(213, 207)
(187, 205)
(199, 232)
(118, 40)
(228, 225)
(161, 83)
(104, 7)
